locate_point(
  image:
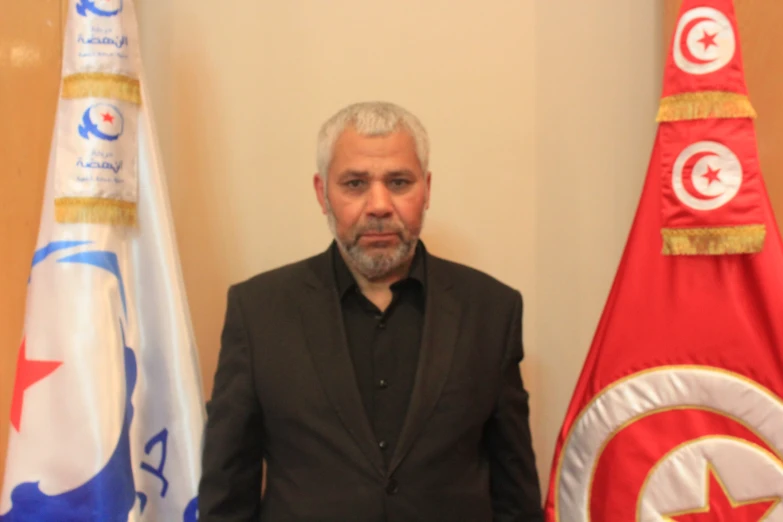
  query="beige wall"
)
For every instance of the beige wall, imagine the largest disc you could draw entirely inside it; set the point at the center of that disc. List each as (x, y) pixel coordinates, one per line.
(598, 77)
(541, 119)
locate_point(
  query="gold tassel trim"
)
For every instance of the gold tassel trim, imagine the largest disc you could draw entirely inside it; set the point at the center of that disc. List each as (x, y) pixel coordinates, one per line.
(745, 239)
(102, 85)
(703, 105)
(95, 211)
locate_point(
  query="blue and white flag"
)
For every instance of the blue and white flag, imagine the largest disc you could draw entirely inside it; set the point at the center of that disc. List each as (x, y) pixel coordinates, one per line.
(107, 409)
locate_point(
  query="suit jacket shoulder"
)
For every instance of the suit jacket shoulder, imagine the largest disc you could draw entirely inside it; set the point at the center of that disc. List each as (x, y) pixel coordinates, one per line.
(472, 284)
(276, 284)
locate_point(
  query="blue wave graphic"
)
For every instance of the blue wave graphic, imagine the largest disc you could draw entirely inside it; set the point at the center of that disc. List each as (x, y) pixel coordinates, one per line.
(42, 253)
(105, 260)
(85, 6)
(110, 495)
(191, 511)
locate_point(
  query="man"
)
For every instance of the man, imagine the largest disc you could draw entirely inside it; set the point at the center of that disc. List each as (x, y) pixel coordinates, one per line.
(377, 381)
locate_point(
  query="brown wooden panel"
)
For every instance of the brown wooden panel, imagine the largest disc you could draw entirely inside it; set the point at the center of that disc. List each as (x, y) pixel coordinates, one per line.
(759, 26)
(30, 49)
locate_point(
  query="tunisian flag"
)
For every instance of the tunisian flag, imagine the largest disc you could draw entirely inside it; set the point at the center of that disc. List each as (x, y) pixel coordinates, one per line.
(677, 414)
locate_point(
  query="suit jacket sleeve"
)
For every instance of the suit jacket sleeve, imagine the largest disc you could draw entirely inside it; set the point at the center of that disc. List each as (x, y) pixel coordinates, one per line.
(230, 486)
(515, 489)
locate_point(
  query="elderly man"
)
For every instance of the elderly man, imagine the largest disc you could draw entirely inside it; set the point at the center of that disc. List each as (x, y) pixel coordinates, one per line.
(377, 381)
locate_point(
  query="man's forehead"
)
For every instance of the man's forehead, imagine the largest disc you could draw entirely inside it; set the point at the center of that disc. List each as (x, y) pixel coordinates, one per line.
(396, 151)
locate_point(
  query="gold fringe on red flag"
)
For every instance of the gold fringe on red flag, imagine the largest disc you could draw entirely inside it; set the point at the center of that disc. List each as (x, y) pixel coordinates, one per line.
(744, 239)
(704, 105)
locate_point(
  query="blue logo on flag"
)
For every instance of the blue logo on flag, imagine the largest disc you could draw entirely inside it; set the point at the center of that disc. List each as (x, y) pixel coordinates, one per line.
(105, 7)
(103, 121)
(111, 493)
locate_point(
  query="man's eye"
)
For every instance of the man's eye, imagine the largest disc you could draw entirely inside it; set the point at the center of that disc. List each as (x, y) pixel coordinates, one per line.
(400, 182)
(354, 183)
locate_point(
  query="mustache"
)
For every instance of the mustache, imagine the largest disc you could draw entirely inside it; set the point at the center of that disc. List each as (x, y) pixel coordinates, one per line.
(379, 226)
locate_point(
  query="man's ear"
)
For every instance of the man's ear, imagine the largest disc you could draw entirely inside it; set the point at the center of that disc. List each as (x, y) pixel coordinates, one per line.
(319, 184)
(428, 178)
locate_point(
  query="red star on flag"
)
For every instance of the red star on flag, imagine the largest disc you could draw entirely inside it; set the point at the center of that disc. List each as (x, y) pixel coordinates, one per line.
(708, 40)
(711, 175)
(28, 372)
(107, 117)
(722, 507)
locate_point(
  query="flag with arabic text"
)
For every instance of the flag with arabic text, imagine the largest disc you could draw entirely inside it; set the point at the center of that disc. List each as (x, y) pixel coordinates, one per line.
(107, 408)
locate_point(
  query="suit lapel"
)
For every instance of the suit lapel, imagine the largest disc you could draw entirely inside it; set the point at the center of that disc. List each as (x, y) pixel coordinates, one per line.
(326, 340)
(439, 338)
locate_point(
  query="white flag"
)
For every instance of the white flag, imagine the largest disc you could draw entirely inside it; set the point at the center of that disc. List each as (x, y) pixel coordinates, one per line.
(107, 410)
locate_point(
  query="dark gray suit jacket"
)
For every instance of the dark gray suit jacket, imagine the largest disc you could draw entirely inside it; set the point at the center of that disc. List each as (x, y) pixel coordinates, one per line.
(285, 391)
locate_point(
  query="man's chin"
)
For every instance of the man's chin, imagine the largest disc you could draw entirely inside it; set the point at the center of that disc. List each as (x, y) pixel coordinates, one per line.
(376, 255)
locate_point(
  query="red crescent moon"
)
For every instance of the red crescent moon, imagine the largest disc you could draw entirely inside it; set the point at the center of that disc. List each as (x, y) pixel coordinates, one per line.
(628, 458)
(684, 49)
(687, 176)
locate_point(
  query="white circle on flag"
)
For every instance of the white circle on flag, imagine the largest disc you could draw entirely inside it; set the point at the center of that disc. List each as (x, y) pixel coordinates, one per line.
(706, 175)
(680, 481)
(646, 393)
(704, 41)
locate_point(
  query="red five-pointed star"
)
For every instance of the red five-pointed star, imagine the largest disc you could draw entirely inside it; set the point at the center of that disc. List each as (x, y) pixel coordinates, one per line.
(27, 373)
(107, 117)
(711, 175)
(708, 40)
(722, 507)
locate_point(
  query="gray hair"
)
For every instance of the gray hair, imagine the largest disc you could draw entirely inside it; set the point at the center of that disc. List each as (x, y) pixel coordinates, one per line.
(370, 119)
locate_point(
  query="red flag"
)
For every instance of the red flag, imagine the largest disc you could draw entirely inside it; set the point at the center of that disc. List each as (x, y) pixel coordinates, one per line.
(677, 414)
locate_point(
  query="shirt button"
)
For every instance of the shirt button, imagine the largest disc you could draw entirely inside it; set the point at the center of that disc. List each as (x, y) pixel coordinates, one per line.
(383, 444)
(383, 384)
(392, 487)
(381, 325)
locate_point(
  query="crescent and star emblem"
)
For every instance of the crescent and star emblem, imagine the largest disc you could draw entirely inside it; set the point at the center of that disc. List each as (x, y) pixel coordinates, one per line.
(706, 175)
(704, 41)
(706, 446)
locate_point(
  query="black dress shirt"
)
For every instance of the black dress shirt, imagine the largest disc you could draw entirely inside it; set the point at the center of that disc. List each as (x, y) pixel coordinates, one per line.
(384, 346)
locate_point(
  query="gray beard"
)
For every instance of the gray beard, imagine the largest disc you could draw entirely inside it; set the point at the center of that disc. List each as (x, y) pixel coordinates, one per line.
(372, 266)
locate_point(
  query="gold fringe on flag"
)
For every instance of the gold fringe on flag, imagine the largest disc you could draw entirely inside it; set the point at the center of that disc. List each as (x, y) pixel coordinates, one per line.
(95, 211)
(744, 239)
(102, 85)
(703, 105)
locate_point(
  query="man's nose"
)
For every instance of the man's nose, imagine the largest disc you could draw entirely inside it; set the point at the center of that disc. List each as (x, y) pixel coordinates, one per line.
(379, 201)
